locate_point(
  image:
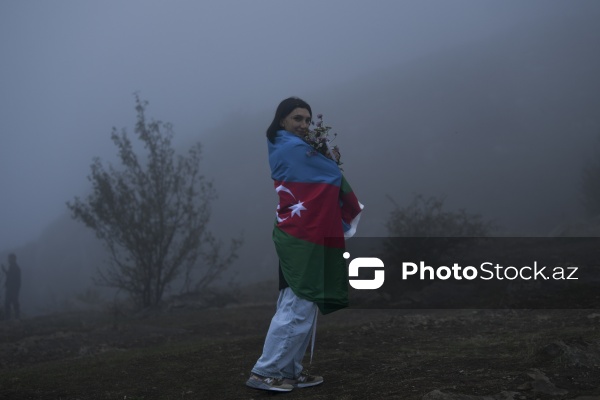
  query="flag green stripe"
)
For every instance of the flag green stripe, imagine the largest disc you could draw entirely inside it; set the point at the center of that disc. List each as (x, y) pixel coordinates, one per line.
(314, 272)
(345, 186)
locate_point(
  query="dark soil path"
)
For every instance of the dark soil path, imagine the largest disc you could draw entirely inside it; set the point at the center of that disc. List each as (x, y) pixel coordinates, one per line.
(363, 354)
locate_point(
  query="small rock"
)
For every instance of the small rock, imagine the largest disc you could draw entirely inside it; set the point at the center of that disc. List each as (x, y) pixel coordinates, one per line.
(542, 384)
(576, 352)
(525, 386)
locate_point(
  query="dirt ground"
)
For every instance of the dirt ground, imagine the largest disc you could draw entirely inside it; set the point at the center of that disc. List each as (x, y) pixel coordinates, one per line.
(206, 353)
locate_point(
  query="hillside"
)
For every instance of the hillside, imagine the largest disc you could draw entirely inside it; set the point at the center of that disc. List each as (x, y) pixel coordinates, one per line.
(499, 126)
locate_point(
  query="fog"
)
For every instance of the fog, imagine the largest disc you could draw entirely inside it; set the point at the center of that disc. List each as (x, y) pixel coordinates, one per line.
(493, 105)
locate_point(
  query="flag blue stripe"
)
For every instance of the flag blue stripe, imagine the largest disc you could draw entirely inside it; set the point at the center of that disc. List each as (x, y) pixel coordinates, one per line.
(293, 160)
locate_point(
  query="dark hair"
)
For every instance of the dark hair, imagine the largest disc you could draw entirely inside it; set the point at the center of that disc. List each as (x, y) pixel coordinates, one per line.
(283, 110)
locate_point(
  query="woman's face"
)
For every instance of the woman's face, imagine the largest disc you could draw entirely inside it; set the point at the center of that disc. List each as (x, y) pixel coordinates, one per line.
(297, 121)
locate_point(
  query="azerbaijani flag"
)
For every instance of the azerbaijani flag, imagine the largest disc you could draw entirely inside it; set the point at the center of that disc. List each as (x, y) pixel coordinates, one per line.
(317, 209)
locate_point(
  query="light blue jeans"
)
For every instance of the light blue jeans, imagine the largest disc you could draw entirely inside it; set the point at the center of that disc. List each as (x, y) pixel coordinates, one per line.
(287, 338)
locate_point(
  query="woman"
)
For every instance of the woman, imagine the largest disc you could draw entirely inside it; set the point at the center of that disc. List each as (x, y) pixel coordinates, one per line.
(316, 207)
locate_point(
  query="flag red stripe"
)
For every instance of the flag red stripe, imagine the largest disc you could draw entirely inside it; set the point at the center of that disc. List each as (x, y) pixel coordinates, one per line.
(309, 211)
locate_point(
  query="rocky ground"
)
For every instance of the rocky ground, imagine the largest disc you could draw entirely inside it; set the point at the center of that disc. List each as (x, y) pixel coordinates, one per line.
(195, 352)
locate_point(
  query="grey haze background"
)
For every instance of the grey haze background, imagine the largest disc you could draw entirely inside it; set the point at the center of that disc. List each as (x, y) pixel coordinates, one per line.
(493, 104)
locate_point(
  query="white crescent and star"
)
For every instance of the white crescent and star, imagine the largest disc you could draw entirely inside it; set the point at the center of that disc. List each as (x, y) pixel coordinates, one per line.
(296, 208)
(283, 188)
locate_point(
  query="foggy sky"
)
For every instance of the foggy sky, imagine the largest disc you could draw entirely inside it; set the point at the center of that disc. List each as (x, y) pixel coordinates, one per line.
(68, 70)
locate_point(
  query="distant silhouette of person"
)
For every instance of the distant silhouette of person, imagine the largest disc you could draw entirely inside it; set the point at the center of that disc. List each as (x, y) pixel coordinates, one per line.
(12, 285)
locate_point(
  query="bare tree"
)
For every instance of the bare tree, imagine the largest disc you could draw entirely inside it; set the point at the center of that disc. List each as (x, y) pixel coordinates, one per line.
(152, 215)
(430, 231)
(426, 217)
